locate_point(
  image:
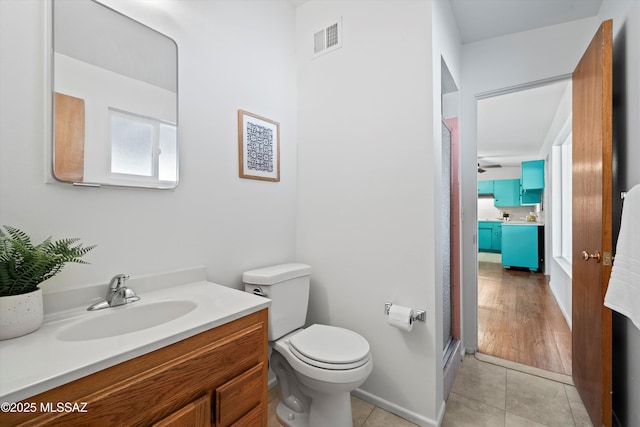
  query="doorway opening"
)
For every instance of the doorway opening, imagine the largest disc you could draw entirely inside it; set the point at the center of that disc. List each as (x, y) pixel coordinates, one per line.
(524, 310)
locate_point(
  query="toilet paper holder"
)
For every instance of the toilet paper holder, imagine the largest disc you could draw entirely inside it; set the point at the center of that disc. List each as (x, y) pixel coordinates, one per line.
(420, 315)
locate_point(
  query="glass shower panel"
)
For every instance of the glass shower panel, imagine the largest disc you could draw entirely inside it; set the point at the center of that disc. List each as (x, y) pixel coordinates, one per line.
(446, 237)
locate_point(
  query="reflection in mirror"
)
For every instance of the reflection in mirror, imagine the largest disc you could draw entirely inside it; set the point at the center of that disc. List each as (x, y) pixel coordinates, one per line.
(114, 99)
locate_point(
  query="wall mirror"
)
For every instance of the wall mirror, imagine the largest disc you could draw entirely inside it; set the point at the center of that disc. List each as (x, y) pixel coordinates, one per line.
(114, 98)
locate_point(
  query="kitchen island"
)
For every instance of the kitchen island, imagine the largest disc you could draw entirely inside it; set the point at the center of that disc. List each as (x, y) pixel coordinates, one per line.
(523, 245)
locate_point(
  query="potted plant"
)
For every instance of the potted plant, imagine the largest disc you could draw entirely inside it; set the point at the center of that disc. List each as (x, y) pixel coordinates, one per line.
(23, 266)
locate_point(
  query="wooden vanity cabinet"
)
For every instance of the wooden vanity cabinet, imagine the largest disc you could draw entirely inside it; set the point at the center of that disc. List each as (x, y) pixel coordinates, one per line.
(216, 378)
(196, 413)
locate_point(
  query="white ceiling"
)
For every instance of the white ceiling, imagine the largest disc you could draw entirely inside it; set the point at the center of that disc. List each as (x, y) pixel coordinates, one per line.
(483, 19)
(513, 127)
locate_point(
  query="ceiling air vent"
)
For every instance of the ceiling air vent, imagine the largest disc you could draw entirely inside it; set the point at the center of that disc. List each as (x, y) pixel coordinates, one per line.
(328, 39)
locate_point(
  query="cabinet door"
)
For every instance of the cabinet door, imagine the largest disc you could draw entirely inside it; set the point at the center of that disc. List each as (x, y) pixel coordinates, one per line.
(530, 197)
(197, 414)
(485, 232)
(239, 396)
(506, 192)
(485, 187)
(520, 246)
(533, 175)
(496, 237)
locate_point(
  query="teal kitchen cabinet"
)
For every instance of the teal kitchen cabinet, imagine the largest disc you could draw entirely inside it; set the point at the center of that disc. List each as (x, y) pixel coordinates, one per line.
(485, 187)
(485, 231)
(521, 246)
(532, 175)
(489, 236)
(530, 197)
(506, 192)
(496, 237)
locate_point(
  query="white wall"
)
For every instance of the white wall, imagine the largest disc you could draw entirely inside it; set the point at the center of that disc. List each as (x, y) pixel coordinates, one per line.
(366, 217)
(559, 270)
(626, 135)
(507, 172)
(491, 66)
(232, 55)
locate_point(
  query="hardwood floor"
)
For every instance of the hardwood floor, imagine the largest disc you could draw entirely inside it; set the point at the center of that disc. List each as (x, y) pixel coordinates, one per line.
(519, 319)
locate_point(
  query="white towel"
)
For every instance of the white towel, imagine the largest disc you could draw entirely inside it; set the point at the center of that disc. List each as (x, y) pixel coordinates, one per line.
(623, 294)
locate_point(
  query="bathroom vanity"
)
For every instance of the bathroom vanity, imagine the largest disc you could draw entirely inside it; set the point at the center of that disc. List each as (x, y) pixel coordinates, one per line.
(212, 373)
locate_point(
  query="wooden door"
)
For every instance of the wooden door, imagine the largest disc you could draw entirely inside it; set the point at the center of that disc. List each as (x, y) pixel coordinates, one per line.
(69, 124)
(592, 188)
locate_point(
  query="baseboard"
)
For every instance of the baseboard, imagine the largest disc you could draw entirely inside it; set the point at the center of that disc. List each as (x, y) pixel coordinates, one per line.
(566, 316)
(272, 382)
(400, 411)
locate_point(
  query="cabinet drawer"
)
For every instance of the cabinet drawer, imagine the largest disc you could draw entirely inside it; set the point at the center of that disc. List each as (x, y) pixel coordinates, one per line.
(252, 419)
(239, 396)
(196, 413)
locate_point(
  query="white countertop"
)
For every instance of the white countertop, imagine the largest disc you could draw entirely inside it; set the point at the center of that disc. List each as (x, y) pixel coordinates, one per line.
(513, 222)
(40, 361)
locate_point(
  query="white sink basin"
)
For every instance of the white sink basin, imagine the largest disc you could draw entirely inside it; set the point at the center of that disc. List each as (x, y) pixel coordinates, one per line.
(125, 319)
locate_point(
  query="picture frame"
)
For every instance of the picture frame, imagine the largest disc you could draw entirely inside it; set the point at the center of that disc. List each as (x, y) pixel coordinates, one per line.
(258, 147)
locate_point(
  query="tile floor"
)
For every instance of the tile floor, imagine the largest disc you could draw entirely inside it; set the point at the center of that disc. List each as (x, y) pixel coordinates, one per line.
(485, 394)
(364, 413)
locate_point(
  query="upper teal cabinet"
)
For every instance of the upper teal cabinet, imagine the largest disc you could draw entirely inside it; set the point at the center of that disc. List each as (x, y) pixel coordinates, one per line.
(506, 192)
(530, 197)
(533, 175)
(485, 187)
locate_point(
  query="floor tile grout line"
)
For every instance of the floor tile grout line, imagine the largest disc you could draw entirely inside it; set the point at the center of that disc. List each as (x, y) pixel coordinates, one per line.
(506, 390)
(364, 423)
(532, 371)
(573, 415)
(477, 400)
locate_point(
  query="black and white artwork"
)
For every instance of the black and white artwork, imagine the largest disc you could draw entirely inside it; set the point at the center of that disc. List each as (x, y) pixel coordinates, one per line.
(258, 147)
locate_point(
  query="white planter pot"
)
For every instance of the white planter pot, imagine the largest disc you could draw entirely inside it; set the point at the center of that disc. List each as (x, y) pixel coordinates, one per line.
(20, 314)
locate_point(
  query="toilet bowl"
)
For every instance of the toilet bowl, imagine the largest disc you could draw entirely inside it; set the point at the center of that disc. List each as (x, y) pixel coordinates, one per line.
(317, 366)
(317, 369)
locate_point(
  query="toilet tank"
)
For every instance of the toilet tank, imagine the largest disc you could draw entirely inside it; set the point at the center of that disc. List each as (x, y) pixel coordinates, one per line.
(287, 285)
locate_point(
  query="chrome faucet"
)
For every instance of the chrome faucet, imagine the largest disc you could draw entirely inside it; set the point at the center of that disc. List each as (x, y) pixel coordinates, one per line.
(117, 294)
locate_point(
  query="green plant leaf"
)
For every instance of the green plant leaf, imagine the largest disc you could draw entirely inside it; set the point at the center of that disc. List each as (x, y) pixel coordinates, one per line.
(23, 265)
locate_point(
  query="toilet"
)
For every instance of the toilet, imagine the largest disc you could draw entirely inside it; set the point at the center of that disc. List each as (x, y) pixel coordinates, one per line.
(318, 366)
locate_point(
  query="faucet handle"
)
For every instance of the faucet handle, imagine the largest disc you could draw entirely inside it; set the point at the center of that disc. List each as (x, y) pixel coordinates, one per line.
(130, 295)
(117, 281)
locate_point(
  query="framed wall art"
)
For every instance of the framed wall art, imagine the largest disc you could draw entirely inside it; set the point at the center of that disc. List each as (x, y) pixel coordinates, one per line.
(258, 147)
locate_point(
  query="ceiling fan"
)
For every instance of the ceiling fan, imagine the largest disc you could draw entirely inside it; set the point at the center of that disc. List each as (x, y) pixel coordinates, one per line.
(483, 168)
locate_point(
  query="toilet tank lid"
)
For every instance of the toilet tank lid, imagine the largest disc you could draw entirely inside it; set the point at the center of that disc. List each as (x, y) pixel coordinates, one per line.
(275, 274)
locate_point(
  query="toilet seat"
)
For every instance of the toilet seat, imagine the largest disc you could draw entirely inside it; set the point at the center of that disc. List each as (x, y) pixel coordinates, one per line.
(330, 347)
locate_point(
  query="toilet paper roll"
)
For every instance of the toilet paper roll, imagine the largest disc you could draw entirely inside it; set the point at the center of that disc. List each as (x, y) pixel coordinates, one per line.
(401, 317)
